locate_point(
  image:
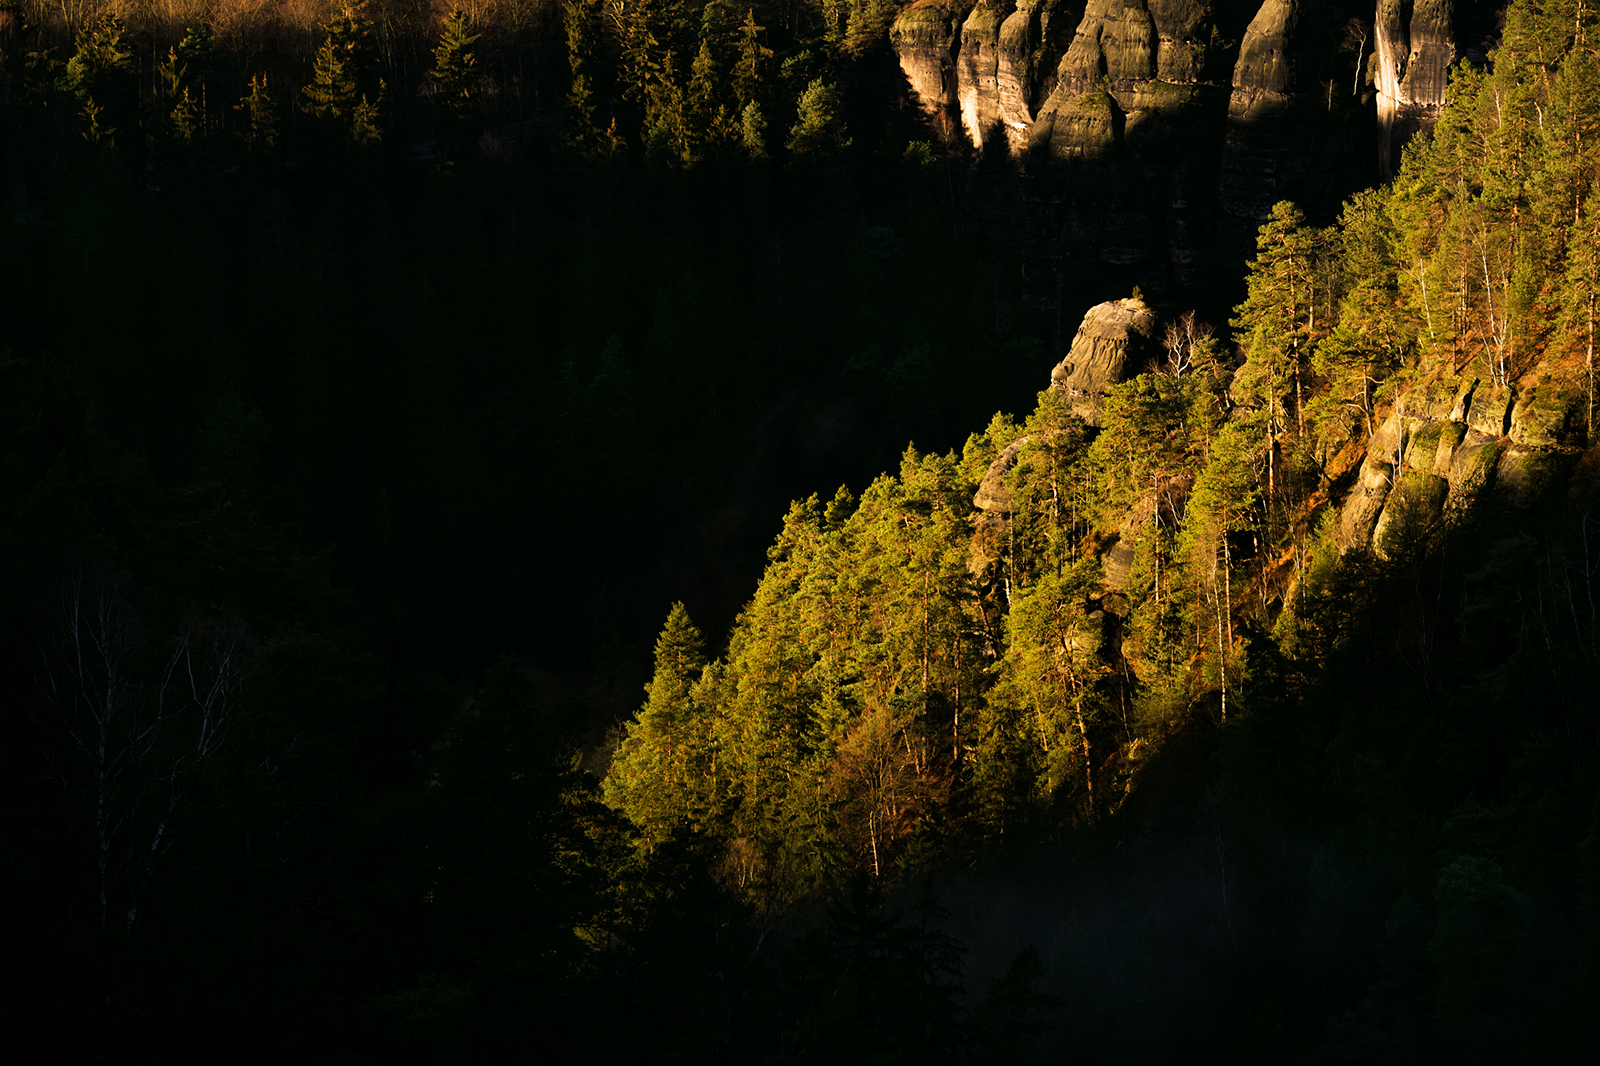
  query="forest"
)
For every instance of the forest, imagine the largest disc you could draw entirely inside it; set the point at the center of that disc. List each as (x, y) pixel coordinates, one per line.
(509, 549)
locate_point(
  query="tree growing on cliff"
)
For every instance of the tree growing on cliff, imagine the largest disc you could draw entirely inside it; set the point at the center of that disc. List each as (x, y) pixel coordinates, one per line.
(1221, 504)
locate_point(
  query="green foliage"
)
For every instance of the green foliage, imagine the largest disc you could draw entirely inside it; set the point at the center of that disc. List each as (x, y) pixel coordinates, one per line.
(660, 776)
(749, 75)
(582, 21)
(819, 126)
(100, 61)
(344, 91)
(258, 125)
(455, 64)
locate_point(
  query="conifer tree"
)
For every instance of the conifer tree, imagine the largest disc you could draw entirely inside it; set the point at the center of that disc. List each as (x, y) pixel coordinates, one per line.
(749, 76)
(659, 775)
(101, 59)
(180, 86)
(258, 127)
(819, 127)
(753, 131)
(455, 64)
(1222, 501)
(342, 92)
(1053, 663)
(582, 22)
(99, 76)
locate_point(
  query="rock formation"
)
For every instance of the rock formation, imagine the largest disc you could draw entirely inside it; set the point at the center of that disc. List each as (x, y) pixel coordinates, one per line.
(1414, 45)
(1114, 339)
(1153, 127)
(1114, 342)
(926, 36)
(1450, 444)
(1285, 134)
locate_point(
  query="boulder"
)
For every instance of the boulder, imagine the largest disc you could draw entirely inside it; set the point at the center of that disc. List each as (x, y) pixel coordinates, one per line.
(1413, 508)
(1523, 474)
(1541, 415)
(1472, 467)
(1488, 410)
(1365, 503)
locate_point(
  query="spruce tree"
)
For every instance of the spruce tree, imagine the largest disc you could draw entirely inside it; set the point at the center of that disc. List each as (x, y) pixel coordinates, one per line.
(582, 21)
(659, 775)
(749, 76)
(343, 92)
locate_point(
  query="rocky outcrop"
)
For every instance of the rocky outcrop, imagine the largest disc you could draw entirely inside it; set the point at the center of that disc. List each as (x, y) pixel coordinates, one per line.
(1451, 444)
(1414, 45)
(1114, 342)
(927, 37)
(1134, 124)
(978, 72)
(1114, 339)
(1032, 41)
(992, 495)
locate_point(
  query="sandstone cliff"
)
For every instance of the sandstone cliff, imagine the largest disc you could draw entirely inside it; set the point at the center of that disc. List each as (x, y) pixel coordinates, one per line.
(1452, 443)
(1414, 45)
(927, 36)
(1156, 129)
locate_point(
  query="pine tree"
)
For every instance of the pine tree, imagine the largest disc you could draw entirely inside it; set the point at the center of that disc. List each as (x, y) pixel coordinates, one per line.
(101, 59)
(180, 86)
(819, 127)
(1221, 503)
(753, 131)
(1053, 663)
(343, 92)
(455, 64)
(331, 93)
(582, 21)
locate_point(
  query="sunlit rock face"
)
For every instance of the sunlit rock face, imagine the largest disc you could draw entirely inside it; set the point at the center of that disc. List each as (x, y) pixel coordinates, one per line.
(977, 73)
(1135, 121)
(1455, 443)
(1033, 39)
(1115, 338)
(927, 38)
(1415, 46)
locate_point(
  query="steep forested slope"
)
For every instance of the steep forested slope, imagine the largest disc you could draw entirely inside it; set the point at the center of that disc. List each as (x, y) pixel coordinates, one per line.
(1350, 550)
